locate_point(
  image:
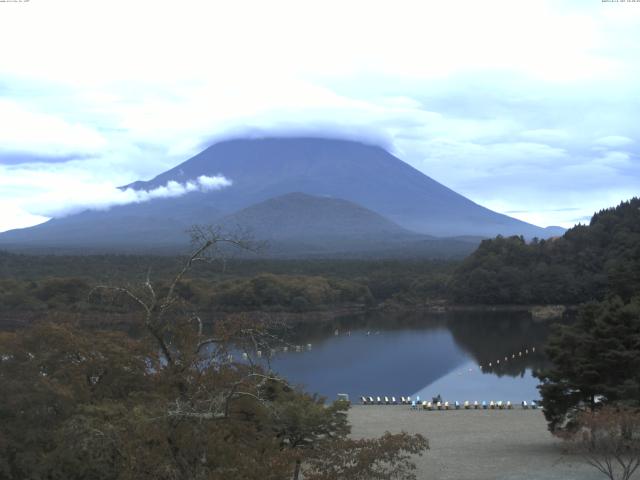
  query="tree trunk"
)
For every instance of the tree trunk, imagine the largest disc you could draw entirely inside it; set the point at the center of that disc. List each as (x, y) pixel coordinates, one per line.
(296, 471)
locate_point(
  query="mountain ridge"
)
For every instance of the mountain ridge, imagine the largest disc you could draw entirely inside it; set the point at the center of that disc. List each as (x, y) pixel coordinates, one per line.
(267, 168)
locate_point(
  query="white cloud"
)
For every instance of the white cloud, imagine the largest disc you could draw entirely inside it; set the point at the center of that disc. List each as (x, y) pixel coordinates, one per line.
(15, 217)
(102, 196)
(614, 141)
(55, 195)
(36, 133)
(545, 135)
(499, 100)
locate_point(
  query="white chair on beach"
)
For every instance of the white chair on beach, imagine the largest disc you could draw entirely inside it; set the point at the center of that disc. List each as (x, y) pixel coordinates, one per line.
(484, 404)
(457, 405)
(476, 405)
(386, 400)
(371, 402)
(492, 405)
(393, 400)
(363, 400)
(424, 404)
(500, 405)
(379, 400)
(446, 405)
(467, 405)
(509, 406)
(429, 406)
(525, 405)
(439, 405)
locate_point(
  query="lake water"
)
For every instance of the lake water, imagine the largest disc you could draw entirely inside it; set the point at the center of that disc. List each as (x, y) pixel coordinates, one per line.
(460, 356)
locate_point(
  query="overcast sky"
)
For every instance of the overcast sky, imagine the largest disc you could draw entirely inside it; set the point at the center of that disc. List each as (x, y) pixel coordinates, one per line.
(528, 107)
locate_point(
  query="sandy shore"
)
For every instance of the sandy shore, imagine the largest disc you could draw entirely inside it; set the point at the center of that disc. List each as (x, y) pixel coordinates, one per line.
(477, 444)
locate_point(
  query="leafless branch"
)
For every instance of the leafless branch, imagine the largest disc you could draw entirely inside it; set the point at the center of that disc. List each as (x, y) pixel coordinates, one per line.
(126, 291)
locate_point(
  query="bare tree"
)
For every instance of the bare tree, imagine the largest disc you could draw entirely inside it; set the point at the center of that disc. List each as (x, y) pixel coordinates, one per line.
(609, 440)
(185, 344)
(210, 244)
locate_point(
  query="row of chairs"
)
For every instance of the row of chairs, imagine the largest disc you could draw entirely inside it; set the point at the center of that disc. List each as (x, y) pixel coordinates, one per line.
(467, 405)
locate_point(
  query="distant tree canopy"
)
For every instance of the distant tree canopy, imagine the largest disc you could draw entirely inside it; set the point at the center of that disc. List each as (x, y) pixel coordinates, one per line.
(595, 361)
(298, 292)
(585, 264)
(55, 284)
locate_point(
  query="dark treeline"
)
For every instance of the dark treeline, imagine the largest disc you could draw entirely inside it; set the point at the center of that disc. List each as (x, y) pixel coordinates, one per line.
(49, 282)
(587, 263)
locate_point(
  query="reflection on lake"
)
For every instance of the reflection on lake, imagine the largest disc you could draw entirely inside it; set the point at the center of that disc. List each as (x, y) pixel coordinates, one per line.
(425, 354)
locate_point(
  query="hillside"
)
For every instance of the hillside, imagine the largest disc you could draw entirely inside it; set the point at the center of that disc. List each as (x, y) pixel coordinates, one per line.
(301, 216)
(586, 263)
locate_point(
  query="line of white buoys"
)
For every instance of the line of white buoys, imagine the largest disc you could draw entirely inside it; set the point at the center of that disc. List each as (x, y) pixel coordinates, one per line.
(286, 349)
(506, 358)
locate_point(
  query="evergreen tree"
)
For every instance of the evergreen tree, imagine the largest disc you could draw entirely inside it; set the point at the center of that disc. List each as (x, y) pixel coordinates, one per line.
(586, 263)
(597, 359)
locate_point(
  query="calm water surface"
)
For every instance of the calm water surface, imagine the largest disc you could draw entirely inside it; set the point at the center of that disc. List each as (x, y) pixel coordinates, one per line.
(446, 354)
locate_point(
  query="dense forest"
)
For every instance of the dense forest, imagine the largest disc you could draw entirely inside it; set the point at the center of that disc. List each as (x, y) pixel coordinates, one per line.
(586, 263)
(64, 283)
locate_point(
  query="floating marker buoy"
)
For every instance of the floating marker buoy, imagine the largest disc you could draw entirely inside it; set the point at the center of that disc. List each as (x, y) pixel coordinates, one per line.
(489, 364)
(533, 349)
(497, 362)
(259, 353)
(505, 359)
(519, 354)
